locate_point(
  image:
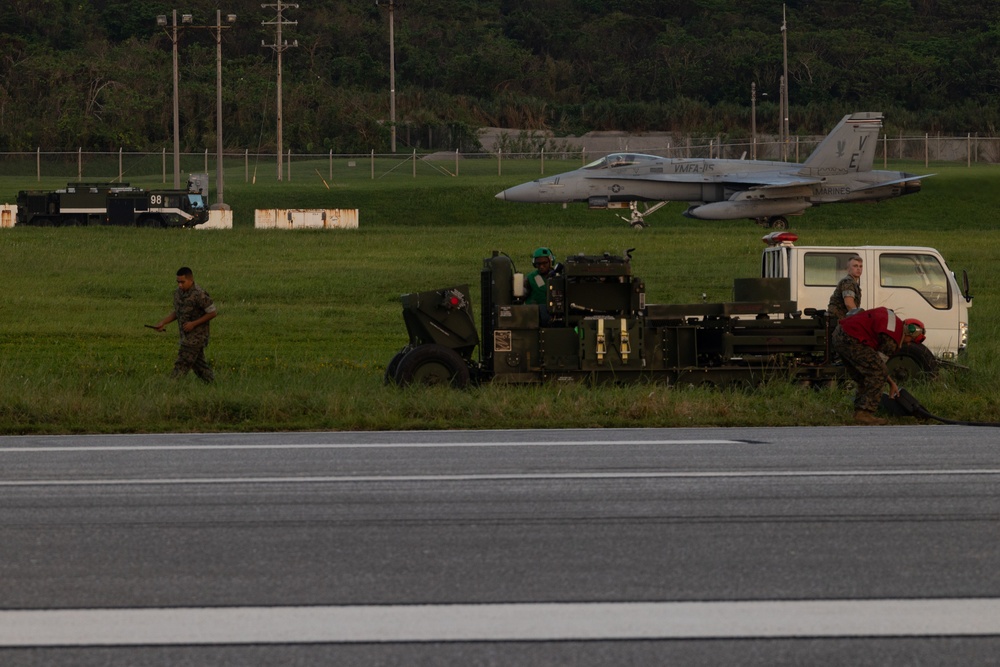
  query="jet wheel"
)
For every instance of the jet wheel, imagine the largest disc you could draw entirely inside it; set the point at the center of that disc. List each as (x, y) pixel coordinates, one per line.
(778, 222)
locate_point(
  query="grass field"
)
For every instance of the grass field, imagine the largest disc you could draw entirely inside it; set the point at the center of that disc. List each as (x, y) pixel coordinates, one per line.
(308, 319)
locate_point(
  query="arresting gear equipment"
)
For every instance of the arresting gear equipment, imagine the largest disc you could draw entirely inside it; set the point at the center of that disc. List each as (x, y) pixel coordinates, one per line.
(624, 348)
(905, 405)
(624, 343)
(602, 346)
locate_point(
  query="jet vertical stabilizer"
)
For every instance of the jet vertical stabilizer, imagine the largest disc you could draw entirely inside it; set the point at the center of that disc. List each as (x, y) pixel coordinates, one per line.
(850, 147)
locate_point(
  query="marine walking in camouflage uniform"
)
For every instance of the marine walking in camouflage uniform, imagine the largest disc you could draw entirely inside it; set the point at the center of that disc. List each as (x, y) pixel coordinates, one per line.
(847, 295)
(193, 310)
(860, 340)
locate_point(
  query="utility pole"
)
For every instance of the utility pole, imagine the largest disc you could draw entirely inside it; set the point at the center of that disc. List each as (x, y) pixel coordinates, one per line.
(279, 47)
(392, 76)
(784, 100)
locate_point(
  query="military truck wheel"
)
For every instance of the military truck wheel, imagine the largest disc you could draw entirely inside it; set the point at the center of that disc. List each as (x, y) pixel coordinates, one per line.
(432, 365)
(913, 362)
(150, 221)
(390, 370)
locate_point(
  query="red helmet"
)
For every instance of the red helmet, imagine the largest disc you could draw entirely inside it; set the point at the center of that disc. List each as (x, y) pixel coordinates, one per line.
(915, 329)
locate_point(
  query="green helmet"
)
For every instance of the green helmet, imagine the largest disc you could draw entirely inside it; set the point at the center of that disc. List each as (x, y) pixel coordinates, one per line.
(542, 252)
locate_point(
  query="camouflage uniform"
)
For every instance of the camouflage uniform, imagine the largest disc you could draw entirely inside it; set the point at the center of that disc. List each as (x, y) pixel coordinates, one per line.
(188, 307)
(872, 333)
(846, 287)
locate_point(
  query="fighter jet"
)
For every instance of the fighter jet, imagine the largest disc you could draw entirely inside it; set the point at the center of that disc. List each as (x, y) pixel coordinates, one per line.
(839, 170)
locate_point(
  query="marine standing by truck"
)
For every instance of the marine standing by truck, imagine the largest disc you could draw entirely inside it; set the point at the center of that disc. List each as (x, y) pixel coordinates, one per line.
(847, 295)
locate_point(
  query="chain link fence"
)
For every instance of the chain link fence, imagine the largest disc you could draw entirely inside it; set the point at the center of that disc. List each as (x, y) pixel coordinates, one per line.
(122, 166)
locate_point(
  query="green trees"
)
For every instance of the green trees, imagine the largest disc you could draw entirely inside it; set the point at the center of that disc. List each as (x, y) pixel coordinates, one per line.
(97, 74)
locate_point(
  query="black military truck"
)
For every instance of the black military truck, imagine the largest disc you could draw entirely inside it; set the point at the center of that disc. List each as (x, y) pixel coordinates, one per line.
(600, 329)
(110, 204)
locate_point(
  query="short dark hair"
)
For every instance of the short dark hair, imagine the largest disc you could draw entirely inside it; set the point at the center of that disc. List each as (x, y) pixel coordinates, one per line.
(185, 271)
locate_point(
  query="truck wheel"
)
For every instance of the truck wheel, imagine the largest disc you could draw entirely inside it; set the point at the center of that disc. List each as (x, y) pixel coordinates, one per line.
(913, 362)
(390, 370)
(432, 365)
(150, 221)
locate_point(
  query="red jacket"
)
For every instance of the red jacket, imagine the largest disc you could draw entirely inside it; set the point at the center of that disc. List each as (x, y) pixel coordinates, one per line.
(868, 324)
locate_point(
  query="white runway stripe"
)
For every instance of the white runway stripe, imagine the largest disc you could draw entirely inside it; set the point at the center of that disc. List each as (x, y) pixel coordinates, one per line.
(501, 622)
(494, 477)
(358, 445)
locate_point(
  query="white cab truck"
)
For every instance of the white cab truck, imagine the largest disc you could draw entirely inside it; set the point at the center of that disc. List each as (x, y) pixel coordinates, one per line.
(913, 281)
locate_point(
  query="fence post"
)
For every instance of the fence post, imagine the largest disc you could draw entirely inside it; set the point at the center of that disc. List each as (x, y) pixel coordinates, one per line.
(885, 150)
(968, 150)
(414, 163)
(331, 165)
(499, 162)
(164, 164)
(927, 148)
(289, 163)
(206, 160)
(246, 165)
(373, 164)
(543, 160)
(456, 162)
(120, 174)
(38, 164)
(79, 163)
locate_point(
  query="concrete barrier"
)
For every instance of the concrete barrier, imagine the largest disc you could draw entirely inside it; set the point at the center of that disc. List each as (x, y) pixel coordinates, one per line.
(218, 219)
(300, 218)
(8, 215)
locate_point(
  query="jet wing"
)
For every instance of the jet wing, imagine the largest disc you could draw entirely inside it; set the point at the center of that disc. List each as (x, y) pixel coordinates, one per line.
(767, 181)
(898, 181)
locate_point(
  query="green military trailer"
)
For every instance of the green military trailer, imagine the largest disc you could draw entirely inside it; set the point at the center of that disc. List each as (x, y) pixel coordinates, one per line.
(598, 328)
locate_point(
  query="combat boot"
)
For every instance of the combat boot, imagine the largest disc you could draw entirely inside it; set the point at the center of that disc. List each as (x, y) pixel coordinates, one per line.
(869, 418)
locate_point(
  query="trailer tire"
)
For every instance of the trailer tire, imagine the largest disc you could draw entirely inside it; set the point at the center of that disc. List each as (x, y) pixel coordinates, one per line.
(390, 370)
(432, 364)
(913, 362)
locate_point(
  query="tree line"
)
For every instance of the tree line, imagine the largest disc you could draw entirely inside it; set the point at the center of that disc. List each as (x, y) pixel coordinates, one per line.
(97, 74)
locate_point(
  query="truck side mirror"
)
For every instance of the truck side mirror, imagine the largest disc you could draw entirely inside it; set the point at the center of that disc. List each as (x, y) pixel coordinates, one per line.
(965, 286)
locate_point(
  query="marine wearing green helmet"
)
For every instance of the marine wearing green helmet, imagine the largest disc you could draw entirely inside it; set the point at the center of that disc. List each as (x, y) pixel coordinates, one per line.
(542, 259)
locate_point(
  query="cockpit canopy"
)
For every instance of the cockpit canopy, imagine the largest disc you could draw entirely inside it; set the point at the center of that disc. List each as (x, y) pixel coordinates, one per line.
(622, 160)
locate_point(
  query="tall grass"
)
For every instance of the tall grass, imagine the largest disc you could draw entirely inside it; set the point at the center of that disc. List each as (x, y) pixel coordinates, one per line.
(310, 318)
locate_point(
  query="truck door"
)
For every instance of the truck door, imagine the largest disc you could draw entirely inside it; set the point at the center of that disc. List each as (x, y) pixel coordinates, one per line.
(120, 211)
(918, 284)
(821, 270)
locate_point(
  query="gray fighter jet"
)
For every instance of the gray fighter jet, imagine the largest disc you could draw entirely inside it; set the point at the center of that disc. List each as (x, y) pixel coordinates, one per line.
(839, 170)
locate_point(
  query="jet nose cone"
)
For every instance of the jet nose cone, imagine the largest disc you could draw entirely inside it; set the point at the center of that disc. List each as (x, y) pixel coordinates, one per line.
(526, 192)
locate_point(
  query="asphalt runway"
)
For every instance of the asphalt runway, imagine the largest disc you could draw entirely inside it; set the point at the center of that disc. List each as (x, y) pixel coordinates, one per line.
(634, 546)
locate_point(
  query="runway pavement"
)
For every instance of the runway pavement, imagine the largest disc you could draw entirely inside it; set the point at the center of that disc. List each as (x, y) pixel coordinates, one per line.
(699, 546)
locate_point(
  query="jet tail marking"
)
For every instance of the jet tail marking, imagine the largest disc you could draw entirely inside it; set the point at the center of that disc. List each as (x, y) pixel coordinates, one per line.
(850, 146)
